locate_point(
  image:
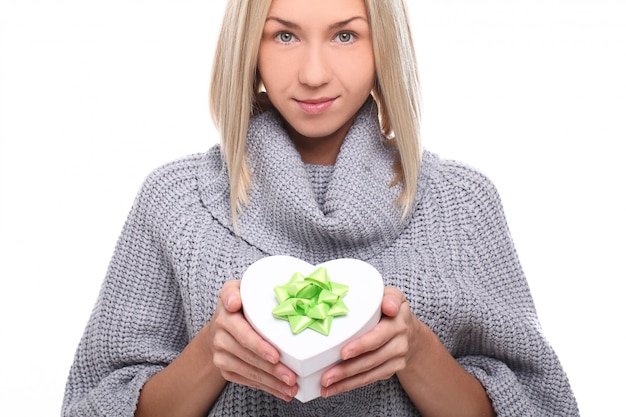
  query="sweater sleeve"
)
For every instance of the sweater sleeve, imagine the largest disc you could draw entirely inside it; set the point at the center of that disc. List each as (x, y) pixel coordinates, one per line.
(137, 326)
(506, 351)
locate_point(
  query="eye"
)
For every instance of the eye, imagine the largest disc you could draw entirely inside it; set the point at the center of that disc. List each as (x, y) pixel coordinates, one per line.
(345, 37)
(285, 37)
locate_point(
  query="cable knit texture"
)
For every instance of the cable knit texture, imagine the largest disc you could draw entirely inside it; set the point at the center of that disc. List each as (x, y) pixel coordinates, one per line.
(452, 257)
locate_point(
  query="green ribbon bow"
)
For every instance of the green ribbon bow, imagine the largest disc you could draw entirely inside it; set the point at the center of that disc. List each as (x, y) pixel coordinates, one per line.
(310, 301)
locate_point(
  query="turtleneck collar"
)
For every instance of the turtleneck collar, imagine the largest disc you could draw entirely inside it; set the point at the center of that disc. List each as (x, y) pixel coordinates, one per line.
(358, 217)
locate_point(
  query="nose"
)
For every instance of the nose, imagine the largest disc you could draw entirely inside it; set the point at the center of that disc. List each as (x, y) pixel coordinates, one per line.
(315, 67)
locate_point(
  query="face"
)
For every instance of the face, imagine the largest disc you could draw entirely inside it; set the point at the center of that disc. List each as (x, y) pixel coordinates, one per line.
(317, 64)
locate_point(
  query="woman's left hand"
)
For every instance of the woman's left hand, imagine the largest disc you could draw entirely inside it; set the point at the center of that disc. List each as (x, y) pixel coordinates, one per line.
(380, 353)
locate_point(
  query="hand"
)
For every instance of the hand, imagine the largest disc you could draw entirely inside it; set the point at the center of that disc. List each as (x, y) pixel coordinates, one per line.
(241, 354)
(380, 353)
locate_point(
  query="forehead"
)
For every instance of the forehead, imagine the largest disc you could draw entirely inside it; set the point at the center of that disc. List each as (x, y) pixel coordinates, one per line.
(317, 11)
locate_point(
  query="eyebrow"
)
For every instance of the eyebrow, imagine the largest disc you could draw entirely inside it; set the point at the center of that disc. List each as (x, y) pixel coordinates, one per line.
(292, 25)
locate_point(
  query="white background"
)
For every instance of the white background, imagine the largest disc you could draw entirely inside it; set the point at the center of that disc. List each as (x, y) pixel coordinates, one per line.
(95, 94)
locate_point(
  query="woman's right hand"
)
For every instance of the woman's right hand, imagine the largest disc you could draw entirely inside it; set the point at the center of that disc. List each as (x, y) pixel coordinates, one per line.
(241, 354)
(226, 349)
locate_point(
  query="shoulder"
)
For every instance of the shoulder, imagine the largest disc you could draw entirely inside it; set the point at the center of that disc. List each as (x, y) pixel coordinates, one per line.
(175, 185)
(457, 190)
(453, 175)
(457, 180)
(182, 169)
(181, 174)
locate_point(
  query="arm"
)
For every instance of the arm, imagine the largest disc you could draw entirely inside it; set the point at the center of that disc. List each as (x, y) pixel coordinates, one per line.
(137, 340)
(500, 342)
(137, 326)
(188, 386)
(402, 345)
(433, 379)
(226, 349)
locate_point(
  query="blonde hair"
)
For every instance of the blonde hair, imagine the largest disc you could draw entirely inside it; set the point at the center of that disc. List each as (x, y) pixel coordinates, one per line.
(235, 94)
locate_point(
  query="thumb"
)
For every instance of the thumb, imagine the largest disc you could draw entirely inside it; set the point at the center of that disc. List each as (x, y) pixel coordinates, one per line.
(392, 300)
(230, 296)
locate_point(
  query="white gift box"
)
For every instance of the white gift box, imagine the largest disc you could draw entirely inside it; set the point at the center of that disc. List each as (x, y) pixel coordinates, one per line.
(310, 353)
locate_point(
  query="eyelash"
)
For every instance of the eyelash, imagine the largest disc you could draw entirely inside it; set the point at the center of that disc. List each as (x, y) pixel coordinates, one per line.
(292, 37)
(352, 37)
(281, 34)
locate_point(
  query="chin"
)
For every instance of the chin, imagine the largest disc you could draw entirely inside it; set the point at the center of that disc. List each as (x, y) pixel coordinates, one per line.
(316, 134)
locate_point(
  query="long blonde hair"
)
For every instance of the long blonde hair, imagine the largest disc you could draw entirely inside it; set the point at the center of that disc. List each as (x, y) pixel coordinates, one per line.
(235, 94)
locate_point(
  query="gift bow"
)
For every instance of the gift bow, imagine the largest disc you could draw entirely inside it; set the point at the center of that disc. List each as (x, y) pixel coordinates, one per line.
(310, 301)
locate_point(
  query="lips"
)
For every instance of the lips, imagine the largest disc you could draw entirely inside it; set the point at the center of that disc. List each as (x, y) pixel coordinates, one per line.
(316, 106)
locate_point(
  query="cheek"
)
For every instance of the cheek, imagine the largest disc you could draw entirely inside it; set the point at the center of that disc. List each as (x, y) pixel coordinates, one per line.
(273, 70)
(357, 71)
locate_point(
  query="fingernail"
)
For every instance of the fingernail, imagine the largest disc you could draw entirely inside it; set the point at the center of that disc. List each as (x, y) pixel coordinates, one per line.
(290, 391)
(285, 379)
(349, 355)
(227, 301)
(329, 392)
(329, 382)
(270, 359)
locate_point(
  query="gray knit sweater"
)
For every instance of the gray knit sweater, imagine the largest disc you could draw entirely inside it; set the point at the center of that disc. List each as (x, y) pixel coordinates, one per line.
(452, 257)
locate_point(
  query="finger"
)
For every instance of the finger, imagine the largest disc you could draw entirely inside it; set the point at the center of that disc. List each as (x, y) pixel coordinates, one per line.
(381, 334)
(245, 375)
(249, 339)
(383, 372)
(286, 395)
(392, 300)
(236, 326)
(228, 347)
(230, 296)
(396, 348)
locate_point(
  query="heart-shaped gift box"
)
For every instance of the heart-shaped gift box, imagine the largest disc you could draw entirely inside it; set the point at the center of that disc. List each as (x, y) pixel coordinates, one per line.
(310, 353)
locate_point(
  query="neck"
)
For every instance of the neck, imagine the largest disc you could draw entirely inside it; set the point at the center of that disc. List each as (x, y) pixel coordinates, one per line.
(319, 150)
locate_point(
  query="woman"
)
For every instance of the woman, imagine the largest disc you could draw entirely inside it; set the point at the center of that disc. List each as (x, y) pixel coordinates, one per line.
(320, 159)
